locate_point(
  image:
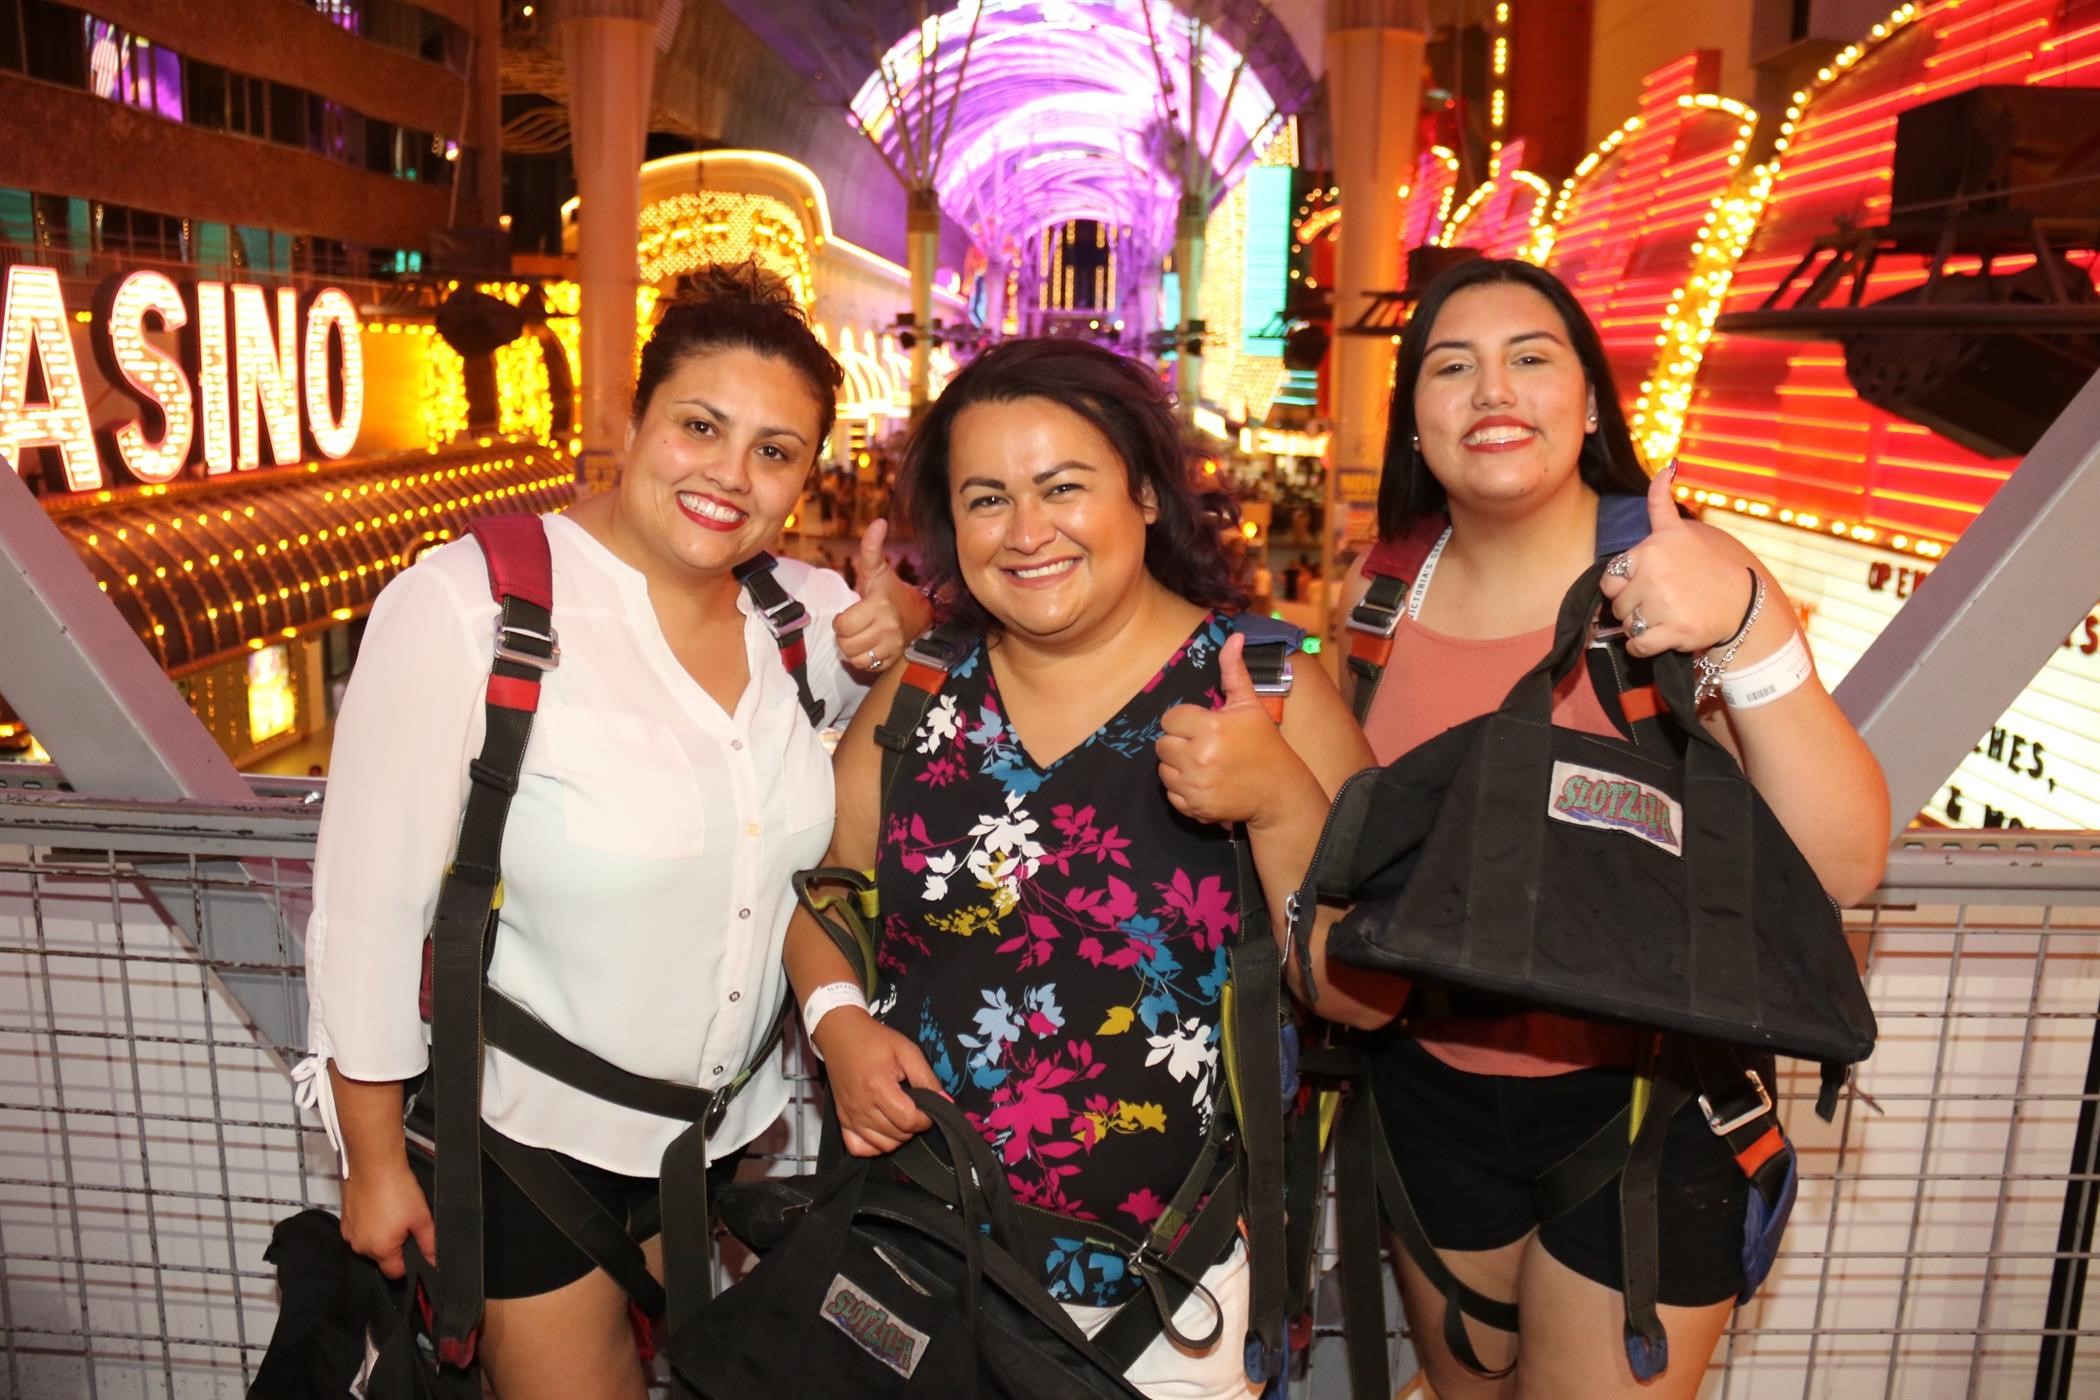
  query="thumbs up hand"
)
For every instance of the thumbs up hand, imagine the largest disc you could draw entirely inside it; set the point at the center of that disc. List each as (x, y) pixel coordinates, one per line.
(1677, 590)
(873, 632)
(1221, 764)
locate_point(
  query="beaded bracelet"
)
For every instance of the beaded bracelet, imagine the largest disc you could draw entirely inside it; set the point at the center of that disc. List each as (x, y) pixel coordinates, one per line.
(1708, 669)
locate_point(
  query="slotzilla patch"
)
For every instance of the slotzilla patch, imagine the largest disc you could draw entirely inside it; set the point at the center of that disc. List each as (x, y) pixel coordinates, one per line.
(873, 1327)
(1593, 797)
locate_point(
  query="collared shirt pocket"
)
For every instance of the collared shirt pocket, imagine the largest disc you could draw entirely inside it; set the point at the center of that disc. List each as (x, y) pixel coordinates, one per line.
(806, 782)
(627, 786)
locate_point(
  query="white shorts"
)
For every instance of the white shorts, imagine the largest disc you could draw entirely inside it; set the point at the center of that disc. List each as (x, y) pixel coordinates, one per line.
(1169, 1372)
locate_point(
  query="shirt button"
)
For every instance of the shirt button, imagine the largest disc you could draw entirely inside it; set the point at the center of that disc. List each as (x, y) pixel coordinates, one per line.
(718, 1070)
(750, 828)
(743, 913)
(736, 996)
(737, 744)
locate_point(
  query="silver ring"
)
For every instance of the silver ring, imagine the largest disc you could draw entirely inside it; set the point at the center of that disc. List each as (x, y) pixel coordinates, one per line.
(1637, 624)
(874, 661)
(1621, 566)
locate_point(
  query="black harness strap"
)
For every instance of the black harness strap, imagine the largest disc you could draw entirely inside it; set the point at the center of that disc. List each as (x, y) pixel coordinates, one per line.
(1257, 1002)
(573, 1210)
(1372, 623)
(467, 1017)
(459, 944)
(927, 662)
(787, 620)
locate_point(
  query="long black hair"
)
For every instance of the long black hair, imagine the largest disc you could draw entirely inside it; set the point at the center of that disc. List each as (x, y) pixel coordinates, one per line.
(1127, 404)
(1407, 489)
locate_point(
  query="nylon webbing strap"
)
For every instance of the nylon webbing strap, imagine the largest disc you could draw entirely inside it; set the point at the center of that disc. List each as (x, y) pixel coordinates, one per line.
(456, 951)
(1640, 1242)
(1359, 1231)
(1268, 666)
(689, 1276)
(1257, 998)
(1460, 1300)
(523, 1036)
(573, 1210)
(1171, 1275)
(787, 620)
(927, 662)
(1372, 623)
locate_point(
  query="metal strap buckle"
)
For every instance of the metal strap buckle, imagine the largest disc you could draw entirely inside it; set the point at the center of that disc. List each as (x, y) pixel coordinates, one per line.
(1764, 1106)
(1379, 622)
(786, 617)
(717, 1110)
(1278, 684)
(939, 657)
(506, 652)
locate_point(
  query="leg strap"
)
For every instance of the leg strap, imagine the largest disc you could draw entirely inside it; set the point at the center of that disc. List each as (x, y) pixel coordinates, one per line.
(1460, 1300)
(577, 1214)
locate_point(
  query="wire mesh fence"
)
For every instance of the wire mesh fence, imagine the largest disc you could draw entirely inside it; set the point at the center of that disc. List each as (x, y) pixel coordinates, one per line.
(151, 1000)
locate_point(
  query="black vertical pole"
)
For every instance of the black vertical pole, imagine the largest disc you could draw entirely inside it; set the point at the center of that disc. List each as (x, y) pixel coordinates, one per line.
(2074, 1241)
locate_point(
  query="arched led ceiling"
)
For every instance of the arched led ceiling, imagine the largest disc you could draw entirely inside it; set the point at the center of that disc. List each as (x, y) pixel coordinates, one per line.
(1061, 114)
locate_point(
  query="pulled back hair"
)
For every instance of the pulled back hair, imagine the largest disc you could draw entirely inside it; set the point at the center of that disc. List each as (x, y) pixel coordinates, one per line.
(1126, 403)
(739, 306)
(1407, 489)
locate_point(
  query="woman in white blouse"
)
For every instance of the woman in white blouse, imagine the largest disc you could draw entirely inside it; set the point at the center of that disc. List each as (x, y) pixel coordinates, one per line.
(671, 785)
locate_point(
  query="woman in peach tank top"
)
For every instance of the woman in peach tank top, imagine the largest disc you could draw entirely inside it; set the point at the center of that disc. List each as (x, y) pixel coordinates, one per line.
(1505, 422)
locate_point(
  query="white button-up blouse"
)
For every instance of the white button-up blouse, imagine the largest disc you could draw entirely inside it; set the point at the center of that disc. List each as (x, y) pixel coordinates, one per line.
(645, 862)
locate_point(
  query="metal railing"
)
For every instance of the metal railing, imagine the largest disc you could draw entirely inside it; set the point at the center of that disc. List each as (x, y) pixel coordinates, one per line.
(148, 1138)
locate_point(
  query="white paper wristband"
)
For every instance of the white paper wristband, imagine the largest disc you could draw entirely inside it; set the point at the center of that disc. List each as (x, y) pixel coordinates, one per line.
(1779, 674)
(825, 1000)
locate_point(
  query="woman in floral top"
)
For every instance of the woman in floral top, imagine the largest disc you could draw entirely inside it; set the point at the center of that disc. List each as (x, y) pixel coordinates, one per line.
(1058, 883)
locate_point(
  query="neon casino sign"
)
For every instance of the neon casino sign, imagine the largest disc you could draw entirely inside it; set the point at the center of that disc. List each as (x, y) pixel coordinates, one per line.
(246, 382)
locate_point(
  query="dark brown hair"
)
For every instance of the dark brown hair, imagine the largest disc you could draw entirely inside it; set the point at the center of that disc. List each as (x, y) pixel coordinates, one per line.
(739, 306)
(1127, 404)
(1407, 489)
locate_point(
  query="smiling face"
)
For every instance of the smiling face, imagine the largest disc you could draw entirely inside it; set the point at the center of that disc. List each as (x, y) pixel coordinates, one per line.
(1502, 404)
(715, 462)
(1047, 537)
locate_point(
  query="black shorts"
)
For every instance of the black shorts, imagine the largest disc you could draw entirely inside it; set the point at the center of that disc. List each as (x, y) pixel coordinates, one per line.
(1470, 1145)
(524, 1254)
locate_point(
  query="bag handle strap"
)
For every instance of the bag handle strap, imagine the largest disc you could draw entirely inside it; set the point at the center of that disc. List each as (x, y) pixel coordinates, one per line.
(1514, 774)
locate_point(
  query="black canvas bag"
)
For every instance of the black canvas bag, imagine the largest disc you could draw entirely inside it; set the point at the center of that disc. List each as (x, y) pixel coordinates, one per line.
(1581, 874)
(868, 1285)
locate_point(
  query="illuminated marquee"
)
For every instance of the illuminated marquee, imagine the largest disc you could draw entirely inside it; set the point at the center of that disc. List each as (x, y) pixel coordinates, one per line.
(1645, 233)
(34, 335)
(2038, 766)
(682, 232)
(1503, 215)
(245, 379)
(1776, 423)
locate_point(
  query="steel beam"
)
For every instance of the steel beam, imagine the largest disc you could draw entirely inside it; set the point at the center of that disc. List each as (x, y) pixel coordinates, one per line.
(88, 689)
(115, 727)
(1991, 614)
